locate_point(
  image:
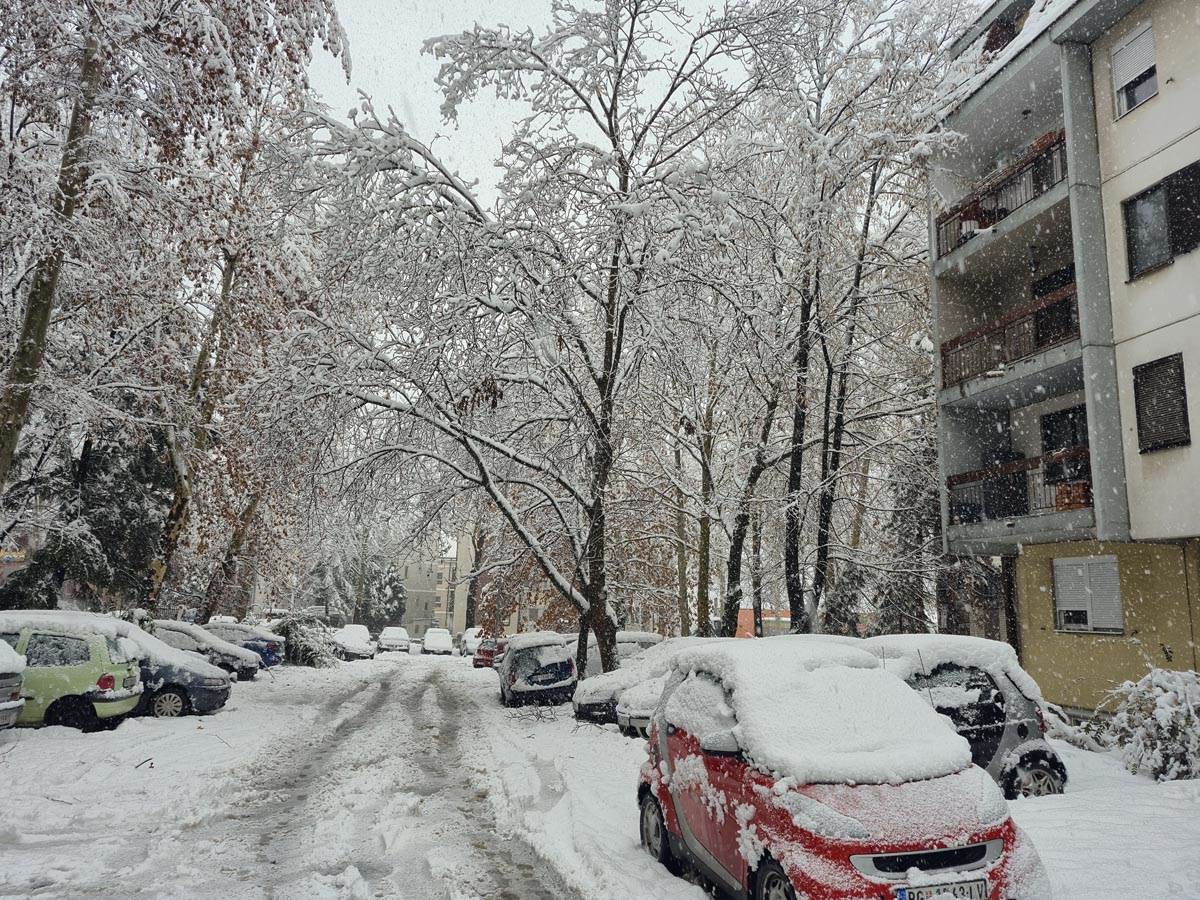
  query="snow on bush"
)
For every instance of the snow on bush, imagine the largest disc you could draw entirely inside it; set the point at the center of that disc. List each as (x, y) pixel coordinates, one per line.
(1155, 724)
(308, 641)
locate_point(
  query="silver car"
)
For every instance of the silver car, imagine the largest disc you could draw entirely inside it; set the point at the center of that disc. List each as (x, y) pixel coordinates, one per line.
(994, 703)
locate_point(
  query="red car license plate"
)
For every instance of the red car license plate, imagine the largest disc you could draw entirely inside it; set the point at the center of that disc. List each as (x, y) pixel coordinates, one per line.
(959, 890)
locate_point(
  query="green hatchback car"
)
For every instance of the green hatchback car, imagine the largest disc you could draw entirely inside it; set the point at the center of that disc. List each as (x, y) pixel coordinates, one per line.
(74, 677)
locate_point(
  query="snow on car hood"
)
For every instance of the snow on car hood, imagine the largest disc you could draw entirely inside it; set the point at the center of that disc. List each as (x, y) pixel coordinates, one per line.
(821, 712)
(652, 662)
(641, 700)
(949, 808)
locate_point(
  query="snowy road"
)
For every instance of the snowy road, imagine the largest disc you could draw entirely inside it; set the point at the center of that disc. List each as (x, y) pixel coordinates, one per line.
(403, 777)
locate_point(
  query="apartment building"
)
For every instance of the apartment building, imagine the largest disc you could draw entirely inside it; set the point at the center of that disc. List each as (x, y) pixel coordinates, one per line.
(1066, 296)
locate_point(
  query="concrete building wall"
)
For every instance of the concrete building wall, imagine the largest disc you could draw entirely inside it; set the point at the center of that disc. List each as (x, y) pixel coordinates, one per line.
(1160, 606)
(1157, 314)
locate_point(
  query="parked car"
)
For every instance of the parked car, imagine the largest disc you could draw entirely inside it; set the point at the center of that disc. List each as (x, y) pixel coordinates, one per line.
(629, 643)
(980, 686)
(596, 696)
(438, 642)
(75, 674)
(178, 682)
(537, 668)
(805, 769)
(12, 665)
(498, 653)
(268, 645)
(221, 653)
(394, 637)
(354, 642)
(469, 642)
(485, 653)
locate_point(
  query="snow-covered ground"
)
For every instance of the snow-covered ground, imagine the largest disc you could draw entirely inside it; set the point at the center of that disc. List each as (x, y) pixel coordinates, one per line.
(404, 777)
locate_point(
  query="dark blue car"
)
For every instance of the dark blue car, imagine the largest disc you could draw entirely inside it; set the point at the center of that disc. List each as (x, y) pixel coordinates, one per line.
(267, 645)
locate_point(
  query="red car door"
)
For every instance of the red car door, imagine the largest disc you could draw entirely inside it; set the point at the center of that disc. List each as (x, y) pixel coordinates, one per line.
(728, 776)
(699, 707)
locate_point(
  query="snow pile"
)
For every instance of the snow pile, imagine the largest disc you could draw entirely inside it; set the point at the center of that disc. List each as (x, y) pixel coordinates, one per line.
(1156, 726)
(910, 654)
(819, 712)
(10, 660)
(157, 652)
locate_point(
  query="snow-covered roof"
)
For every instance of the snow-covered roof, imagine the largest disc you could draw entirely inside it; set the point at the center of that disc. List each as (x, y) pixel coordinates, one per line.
(822, 712)
(642, 698)
(641, 637)
(533, 639)
(73, 621)
(10, 660)
(910, 654)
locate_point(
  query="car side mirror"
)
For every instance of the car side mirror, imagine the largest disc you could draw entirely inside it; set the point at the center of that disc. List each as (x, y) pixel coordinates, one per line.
(720, 743)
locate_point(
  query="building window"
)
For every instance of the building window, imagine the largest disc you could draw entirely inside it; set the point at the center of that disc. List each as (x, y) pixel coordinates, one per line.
(1163, 222)
(1087, 594)
(1160, 400)
(1135, 75)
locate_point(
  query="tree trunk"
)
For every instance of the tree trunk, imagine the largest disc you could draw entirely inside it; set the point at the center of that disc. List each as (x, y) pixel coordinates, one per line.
(581, 647)
(224, 576)
(834, 436)
(793, 574)
(741, 524)
(681, 565)
(26, 362)
(475, 585)
(756, 573)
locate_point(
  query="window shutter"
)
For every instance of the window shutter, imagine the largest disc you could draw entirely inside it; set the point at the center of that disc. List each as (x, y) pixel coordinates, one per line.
(1133, 57)
(1071, 584)
(1160, 401)
(1104, 585)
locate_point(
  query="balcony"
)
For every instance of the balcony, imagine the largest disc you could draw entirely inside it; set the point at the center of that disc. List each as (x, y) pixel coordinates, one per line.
(1035, 326)
(1042, 167)
(1052, 483)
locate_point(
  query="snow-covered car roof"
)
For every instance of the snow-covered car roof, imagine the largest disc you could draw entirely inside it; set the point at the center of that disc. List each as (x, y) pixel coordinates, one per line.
(251, 631)
(393, 631)
(355, 637)
(910, 654)
(202, 635)
(821, 712)
(533, 639)
(641, 699)
(73, 621)
(10, 660)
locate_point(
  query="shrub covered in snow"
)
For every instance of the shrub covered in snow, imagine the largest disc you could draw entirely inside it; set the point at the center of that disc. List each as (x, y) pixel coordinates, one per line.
(1155, 724)
(308, 641)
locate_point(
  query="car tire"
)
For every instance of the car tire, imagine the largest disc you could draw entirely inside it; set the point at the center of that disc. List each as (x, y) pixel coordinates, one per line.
(169, 703)
(652, 829)
(72, 712)
(1033, 776)
(772, 883)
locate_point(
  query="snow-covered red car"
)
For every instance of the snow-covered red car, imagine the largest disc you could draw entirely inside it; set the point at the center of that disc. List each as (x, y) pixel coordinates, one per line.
(783, 770)
(485, 653)
(980, 686)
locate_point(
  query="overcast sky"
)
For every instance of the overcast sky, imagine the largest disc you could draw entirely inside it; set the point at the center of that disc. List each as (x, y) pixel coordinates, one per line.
(385, 50)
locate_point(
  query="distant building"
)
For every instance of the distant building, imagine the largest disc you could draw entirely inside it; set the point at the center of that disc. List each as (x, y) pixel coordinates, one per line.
(1066, 301)
(773, 623)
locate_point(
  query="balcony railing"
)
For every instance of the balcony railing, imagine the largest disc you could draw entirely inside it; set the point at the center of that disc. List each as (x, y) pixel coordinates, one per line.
(1054, 482)
(1040, 169)
(1021, 332)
